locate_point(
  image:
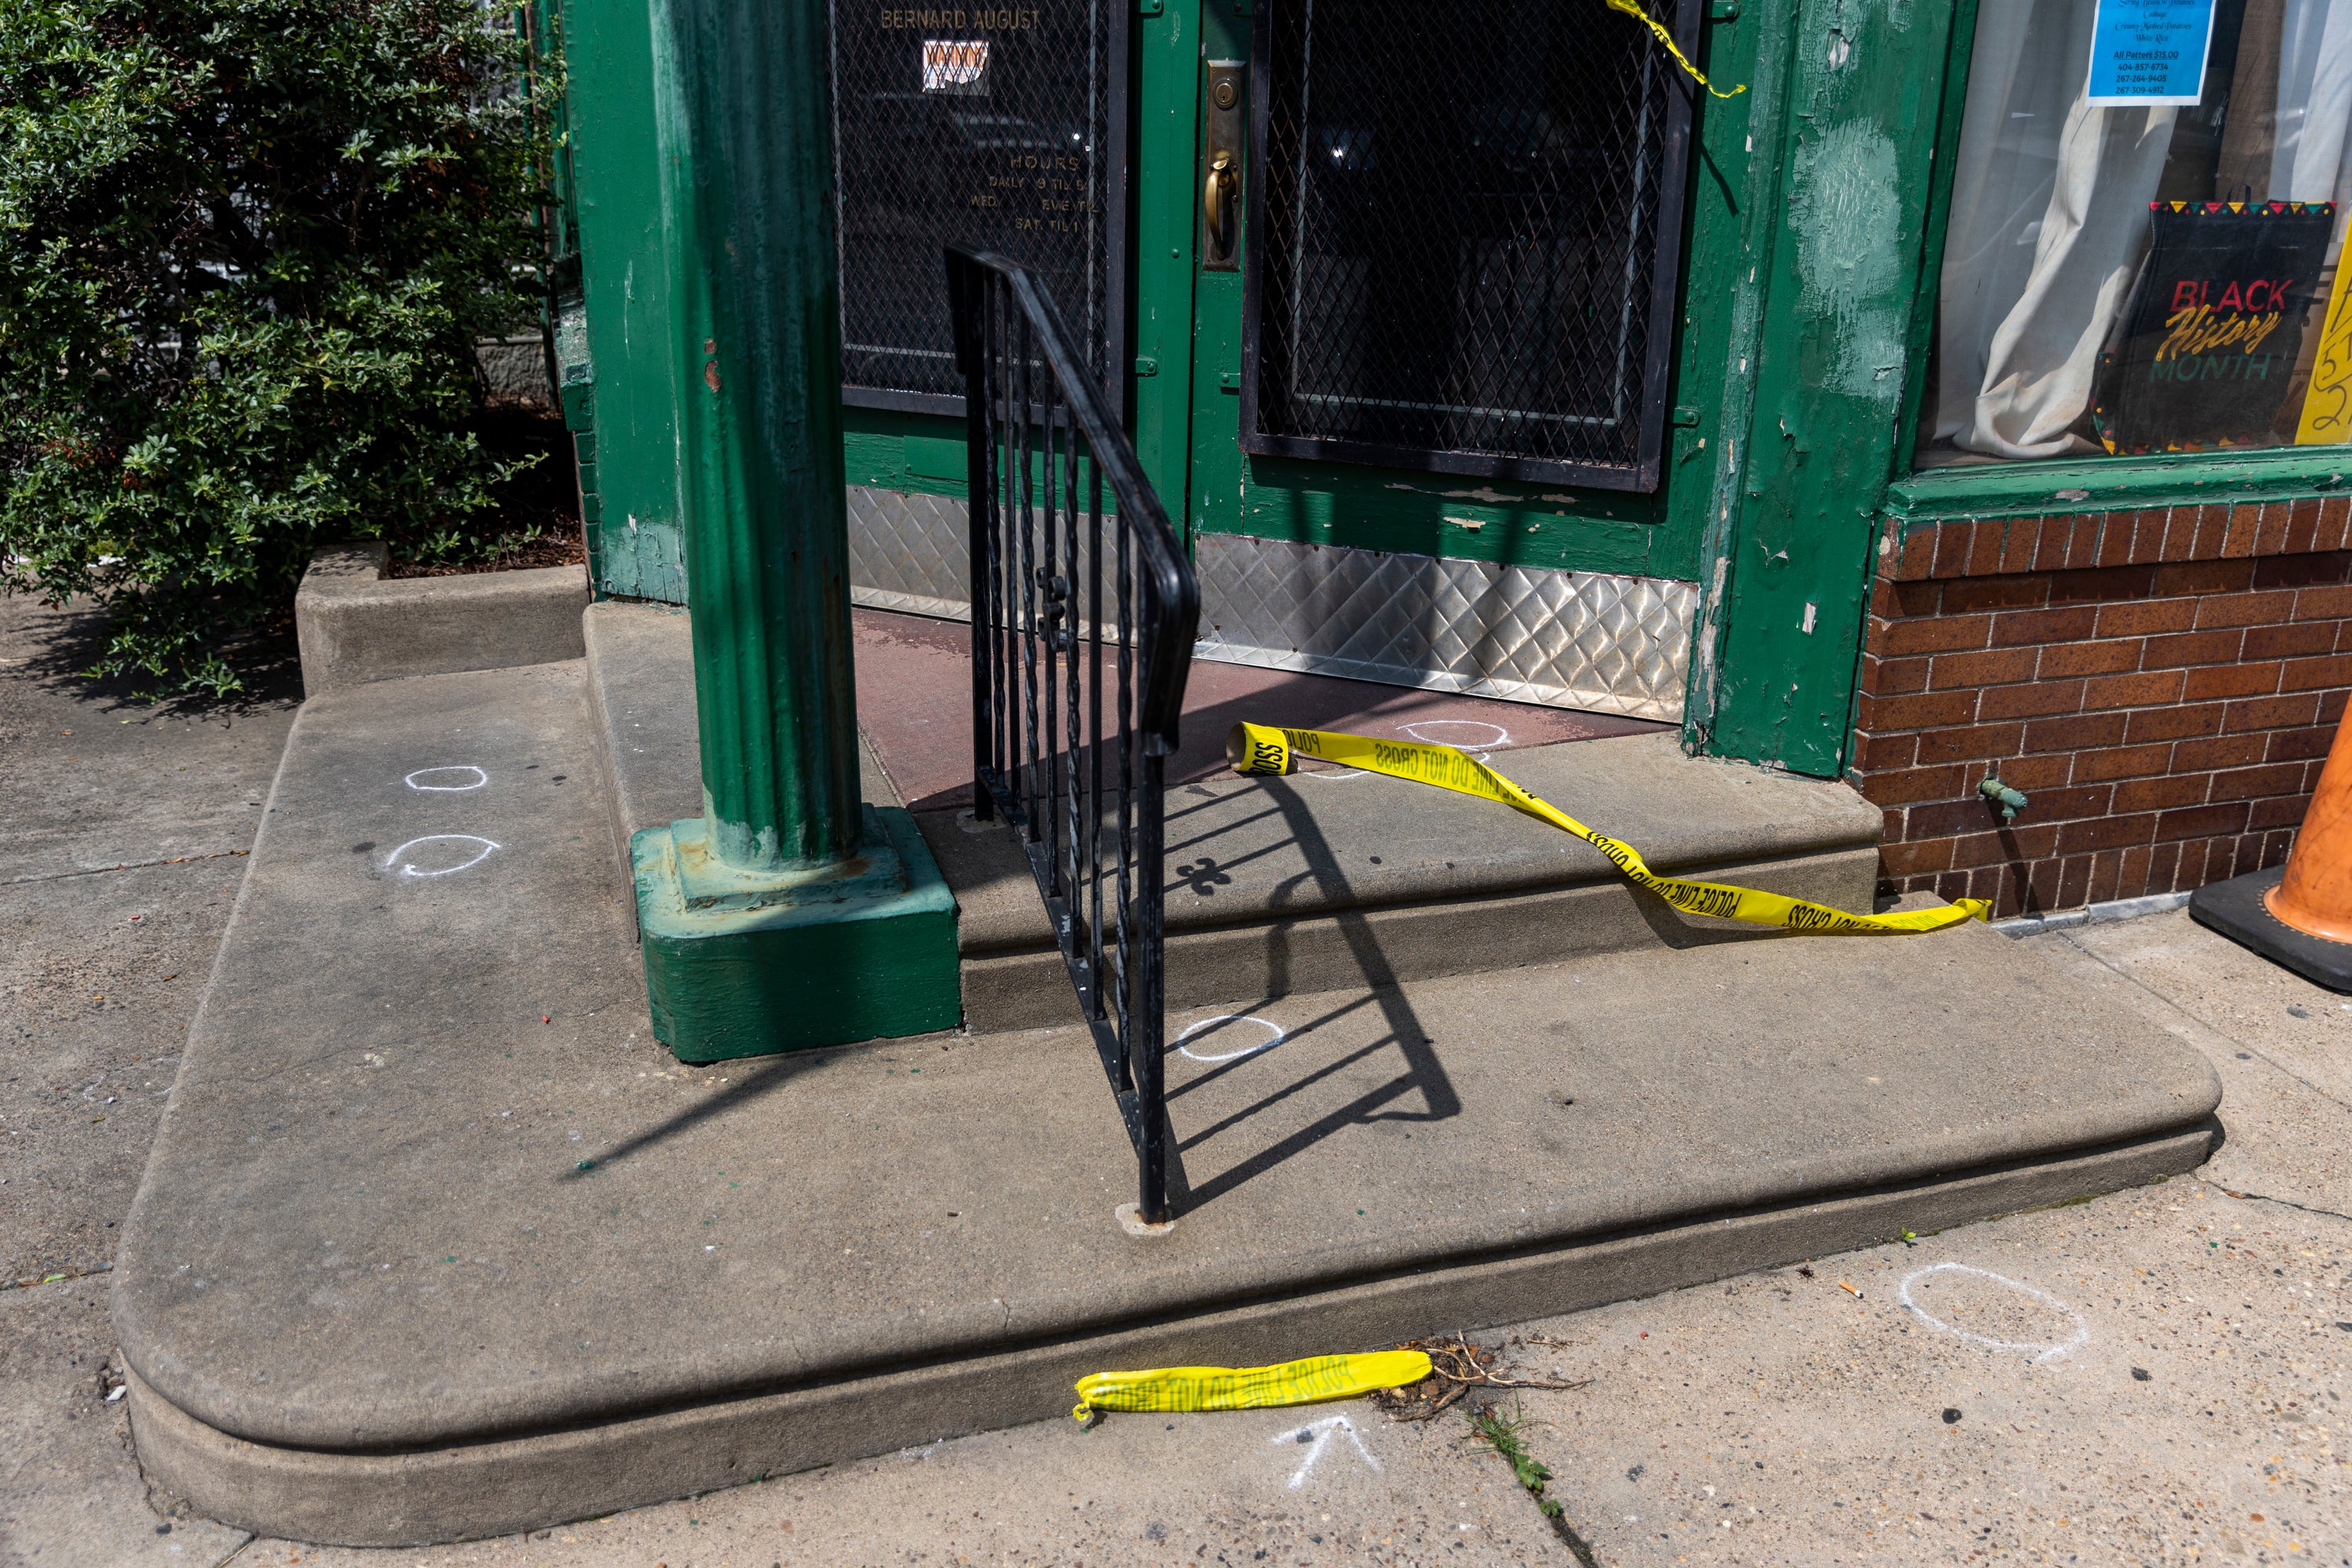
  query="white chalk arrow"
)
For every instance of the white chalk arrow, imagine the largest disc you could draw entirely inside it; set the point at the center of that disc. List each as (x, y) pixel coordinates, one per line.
(1319, 1433)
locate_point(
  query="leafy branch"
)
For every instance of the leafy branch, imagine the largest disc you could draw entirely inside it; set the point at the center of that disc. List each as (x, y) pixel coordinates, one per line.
(247, 247)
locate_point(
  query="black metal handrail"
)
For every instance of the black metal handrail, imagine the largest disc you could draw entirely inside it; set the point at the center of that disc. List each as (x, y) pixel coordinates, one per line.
(1082, 627)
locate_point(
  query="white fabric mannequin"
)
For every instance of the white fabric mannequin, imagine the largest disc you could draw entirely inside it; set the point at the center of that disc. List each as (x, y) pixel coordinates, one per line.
(2048, 221)
(2314, 103)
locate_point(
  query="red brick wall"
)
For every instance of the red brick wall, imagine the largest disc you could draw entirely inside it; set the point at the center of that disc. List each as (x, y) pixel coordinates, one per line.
(2162, 684)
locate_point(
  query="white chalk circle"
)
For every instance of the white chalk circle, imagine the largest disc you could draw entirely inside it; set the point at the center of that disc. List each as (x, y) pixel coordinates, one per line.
(480, 778)
(484, 853)
(1273, 1037)
(2040, 1352)
(1454, 738)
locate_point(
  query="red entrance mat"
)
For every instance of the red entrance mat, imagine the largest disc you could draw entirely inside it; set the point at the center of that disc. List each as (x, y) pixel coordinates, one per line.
(914, 702)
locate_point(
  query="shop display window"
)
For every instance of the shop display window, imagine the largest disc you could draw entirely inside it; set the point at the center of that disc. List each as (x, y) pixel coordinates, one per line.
(2145, 212)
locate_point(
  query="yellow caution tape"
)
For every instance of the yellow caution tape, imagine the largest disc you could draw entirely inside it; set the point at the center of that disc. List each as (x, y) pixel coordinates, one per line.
(1249, 1387)
(1257, 749)
(1635, 11)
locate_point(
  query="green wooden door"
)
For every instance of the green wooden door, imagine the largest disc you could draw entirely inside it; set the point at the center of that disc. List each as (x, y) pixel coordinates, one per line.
(1187, 313)
(919, 453)
(1778, 598)
(1188, 318)
(1187, 339)
(1188, 336)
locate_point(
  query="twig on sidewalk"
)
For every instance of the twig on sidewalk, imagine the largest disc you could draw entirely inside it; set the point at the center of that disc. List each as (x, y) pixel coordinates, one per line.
(31, 1279)
(1455, 1367)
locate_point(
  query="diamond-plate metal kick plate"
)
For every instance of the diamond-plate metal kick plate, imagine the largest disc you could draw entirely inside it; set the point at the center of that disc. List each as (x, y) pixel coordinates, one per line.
(1563, 639)
(910, 552)
(1591, 640)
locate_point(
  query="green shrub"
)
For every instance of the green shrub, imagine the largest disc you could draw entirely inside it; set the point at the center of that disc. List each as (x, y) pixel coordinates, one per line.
(246, 249)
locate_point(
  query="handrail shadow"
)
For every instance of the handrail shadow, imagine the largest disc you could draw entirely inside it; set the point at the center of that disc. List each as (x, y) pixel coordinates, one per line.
(1424, 1072)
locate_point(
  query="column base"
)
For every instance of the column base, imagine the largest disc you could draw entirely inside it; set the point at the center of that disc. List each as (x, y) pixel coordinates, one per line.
(869, 954)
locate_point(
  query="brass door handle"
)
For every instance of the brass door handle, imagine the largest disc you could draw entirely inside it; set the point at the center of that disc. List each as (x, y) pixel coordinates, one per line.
(1223, 108)
(1214, 204)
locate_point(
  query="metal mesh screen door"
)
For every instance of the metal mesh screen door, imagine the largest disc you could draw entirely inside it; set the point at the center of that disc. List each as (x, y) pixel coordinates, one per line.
(1465, 228)
(997, 129)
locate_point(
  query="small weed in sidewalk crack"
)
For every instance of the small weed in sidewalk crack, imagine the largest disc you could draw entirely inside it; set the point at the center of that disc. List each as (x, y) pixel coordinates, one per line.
(1501, 1434)
(1506, 1436)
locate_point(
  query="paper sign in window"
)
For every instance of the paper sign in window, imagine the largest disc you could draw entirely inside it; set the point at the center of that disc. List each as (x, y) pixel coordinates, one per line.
(2205, 350)
(2149, 52)
(2327, 404)
(956, 66)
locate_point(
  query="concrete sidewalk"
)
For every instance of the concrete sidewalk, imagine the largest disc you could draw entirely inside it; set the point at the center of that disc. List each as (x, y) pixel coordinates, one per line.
(100, 972)
(1774, 1419)
(1839, 1399)
(435, 1241)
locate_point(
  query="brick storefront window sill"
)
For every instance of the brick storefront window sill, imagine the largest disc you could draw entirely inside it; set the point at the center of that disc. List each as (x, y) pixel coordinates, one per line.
(2116, 484)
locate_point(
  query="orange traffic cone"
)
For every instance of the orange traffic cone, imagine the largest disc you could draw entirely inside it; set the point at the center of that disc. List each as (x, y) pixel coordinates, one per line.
(2300, 914)
(2316, 895)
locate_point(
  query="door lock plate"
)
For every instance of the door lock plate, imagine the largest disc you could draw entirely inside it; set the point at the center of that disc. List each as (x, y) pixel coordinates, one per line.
(1224, 103)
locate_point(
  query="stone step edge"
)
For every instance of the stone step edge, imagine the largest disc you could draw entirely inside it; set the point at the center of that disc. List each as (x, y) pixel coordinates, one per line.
(475, 1490)
(354, 625)
(1375, 946)
(1495, 914)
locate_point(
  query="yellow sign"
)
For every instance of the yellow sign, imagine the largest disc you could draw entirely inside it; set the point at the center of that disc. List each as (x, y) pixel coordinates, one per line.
(2327, 404)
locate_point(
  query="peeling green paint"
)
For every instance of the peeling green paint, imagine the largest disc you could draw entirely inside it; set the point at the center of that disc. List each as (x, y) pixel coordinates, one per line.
(878, 962)
(2069, 485)
(623, 400)
(1762, 112)
(1853, 133)
(1846, 212)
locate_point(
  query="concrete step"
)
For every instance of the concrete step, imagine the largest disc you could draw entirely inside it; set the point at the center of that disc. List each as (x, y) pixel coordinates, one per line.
(1322, 881)
(355, 623)
(435, 1242)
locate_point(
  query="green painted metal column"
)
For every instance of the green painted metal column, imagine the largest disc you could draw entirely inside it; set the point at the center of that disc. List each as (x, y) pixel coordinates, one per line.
(790, 914)
(757, 368)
